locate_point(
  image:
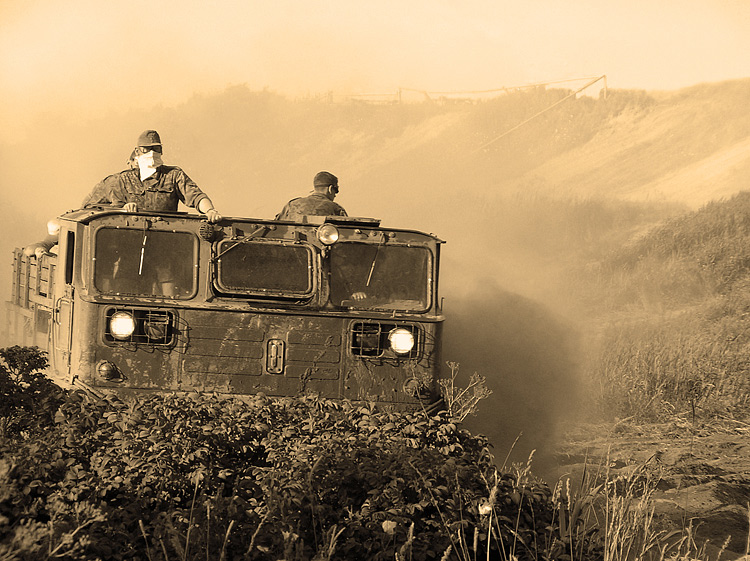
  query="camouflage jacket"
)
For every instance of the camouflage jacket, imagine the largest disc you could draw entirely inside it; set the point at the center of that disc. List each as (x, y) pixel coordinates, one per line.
(315, 204)
(160, 192)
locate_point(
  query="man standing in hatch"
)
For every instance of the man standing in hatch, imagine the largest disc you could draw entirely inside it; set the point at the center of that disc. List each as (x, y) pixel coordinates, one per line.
(318, 203)
(148, 184)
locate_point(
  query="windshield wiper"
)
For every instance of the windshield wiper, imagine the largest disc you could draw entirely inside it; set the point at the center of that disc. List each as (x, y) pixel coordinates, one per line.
(243, 240)
(374, 259)
(143, 250)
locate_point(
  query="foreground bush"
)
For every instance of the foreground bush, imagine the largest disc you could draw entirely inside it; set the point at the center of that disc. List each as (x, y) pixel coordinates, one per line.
(27, 398)
(205, 477)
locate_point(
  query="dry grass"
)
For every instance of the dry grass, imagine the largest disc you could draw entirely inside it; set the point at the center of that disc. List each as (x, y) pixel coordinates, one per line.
(612, 517)
(656, 369)
(462, 402)
(667, 315)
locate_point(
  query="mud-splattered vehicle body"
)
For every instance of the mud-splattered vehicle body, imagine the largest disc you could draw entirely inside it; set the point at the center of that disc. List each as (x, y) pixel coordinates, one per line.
(168, 302)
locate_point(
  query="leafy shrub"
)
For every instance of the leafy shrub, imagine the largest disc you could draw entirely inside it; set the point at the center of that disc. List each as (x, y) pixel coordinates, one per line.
(203, 476)
(27, 397)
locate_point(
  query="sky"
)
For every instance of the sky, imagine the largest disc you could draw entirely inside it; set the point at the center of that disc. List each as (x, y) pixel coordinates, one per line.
(88, 57)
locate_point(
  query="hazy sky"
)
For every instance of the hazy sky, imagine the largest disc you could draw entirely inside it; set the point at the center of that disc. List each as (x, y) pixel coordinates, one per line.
(90, 56)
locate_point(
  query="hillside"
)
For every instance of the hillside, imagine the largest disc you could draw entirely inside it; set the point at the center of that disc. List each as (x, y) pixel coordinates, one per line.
(431, 166)
(665, 364)
(242, 144)
(691, 146)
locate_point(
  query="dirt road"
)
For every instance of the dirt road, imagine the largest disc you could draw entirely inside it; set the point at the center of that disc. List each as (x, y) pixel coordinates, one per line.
(702, 474)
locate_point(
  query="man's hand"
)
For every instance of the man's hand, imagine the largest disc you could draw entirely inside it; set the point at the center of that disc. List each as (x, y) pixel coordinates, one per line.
(213, 215)
(40, 251)
(359, 296)
(130, 207)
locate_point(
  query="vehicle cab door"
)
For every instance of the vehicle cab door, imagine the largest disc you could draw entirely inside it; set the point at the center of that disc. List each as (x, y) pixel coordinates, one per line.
(62, 313)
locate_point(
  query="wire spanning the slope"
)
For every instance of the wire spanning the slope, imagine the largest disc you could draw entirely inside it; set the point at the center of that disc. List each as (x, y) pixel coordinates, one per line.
(519, 125)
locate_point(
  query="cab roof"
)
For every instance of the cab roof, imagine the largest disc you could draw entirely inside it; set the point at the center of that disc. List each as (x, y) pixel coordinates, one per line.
(87, 215)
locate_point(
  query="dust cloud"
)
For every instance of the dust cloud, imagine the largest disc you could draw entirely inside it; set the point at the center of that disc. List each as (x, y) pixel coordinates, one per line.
(529, 356)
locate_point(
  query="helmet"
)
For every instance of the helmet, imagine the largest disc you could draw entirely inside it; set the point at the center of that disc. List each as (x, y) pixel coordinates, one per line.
(149, 138)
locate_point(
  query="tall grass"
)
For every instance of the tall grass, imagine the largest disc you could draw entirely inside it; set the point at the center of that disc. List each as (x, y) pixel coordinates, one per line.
(654, 370)
(670, 329)
(664, 304)
(611, 516)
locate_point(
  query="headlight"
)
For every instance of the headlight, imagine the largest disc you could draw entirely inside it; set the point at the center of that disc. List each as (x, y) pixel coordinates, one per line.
(121, 325)
(402, 340)
(328, 234)
(156, 326)
(108, 371)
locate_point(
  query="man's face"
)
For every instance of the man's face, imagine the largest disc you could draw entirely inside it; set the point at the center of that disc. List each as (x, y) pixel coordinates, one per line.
(333, 190)
(149, 159)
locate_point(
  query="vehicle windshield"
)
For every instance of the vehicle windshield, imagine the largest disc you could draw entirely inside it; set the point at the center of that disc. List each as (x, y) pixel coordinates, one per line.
(380, 276)
(144, 262)
(265, 268)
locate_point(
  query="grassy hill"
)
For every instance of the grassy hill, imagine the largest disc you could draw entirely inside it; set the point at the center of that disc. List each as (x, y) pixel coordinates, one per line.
(241, 144)
(689, 146)
(669, 314)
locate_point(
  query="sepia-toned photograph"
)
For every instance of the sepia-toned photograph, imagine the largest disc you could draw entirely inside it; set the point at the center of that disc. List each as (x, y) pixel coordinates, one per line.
(405, 281)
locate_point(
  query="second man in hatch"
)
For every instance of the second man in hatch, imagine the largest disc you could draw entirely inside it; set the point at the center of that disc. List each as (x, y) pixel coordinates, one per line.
(318, 203)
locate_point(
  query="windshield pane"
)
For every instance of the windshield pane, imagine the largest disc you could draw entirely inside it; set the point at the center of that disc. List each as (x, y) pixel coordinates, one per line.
(144, 262)
(380, 276)
(265, 268)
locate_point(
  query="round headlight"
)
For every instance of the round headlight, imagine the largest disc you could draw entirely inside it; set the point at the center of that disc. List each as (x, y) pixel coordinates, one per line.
(121, 325)
(402, 340)
(328, 234)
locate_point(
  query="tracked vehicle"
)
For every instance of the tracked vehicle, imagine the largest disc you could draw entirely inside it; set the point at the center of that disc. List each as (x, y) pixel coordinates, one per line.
(145, 302)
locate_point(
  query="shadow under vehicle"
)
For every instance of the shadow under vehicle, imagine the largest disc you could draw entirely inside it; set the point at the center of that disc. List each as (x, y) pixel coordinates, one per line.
(135, 302)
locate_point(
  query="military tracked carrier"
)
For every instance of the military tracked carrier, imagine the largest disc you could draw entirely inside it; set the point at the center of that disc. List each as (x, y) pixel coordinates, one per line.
(145, 302)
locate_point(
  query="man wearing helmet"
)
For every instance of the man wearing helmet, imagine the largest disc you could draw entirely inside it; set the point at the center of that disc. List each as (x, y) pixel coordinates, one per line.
(148, 184)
